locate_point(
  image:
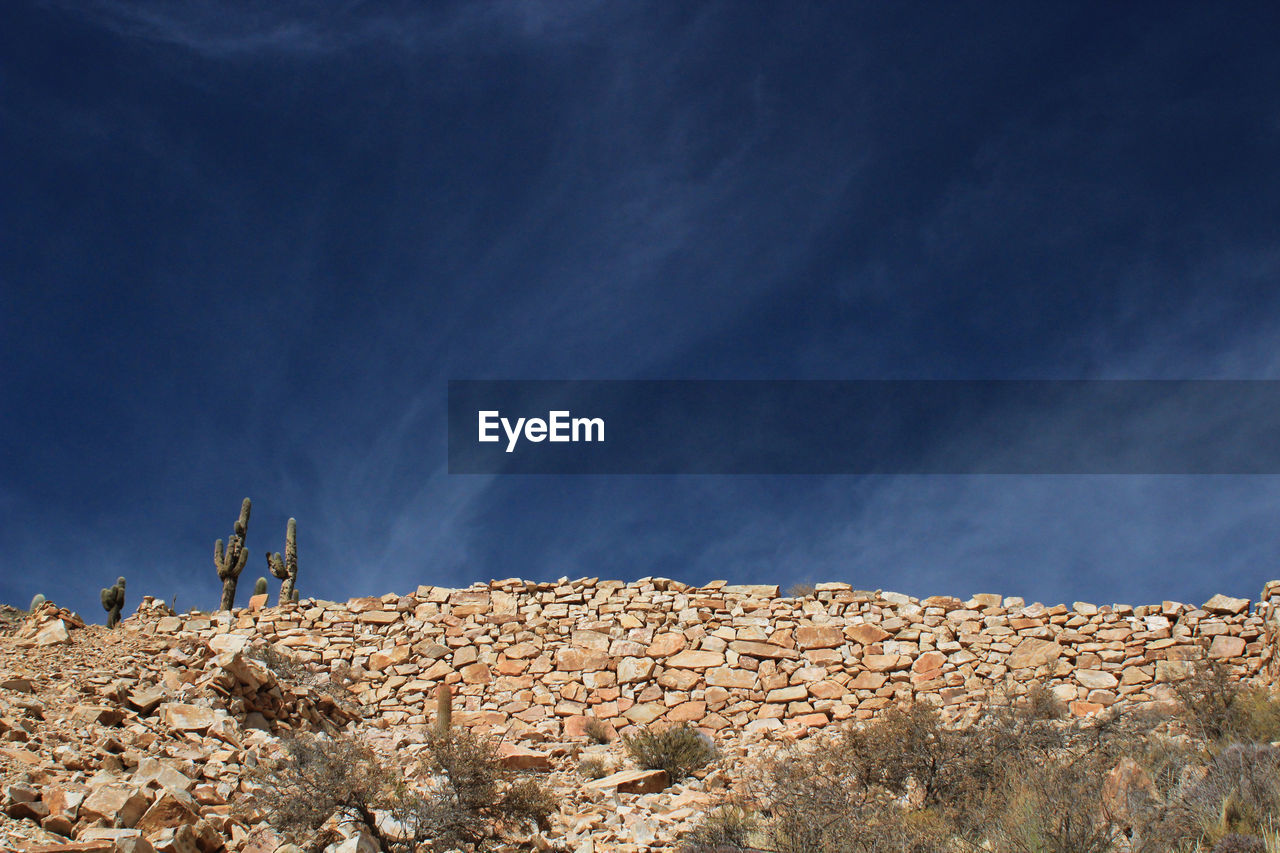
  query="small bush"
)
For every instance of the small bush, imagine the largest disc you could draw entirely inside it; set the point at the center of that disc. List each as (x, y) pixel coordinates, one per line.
(1236, 843)
(593, 767)
(727, 829)
(801, 590)
(1218, 706)
(467, 798)
(679, 750)
(598, 731)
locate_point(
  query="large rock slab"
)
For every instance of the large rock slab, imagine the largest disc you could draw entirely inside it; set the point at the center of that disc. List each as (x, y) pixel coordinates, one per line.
(1032, 652)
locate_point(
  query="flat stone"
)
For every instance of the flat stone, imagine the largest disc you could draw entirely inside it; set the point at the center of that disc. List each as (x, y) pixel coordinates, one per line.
(384, 658)
(695, 659)
(1096, 679)
(763, 650)
(665, 645)
(866, 635)
(516, 757)
(819, 637)
(224, 643)
(1225, 605)
(794, 693)
(631, 670)
(187, 718)
(1224, 647)
(632, 782)
(725, 676)
(1032, 652)
(644, 714)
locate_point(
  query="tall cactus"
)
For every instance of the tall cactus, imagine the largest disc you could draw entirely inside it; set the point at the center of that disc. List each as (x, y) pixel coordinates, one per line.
(444, 709)
(287, 569)
(260, 587)
(231, 563)
(113, 602)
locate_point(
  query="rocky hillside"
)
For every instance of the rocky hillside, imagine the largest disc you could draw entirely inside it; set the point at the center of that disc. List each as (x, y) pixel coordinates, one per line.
(140, 738)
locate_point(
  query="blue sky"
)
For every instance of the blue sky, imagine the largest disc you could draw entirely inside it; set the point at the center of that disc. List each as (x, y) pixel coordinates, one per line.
(246, 245)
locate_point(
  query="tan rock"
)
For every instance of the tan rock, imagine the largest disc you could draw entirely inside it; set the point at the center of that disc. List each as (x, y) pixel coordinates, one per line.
(632, 782)
(866, 635)
(1224, 647)
(1096, 679)
(665, 645)
(631, 670)
(724, 676)
(794, 693)
(1032, 652)
(171, 809)
(695, 659)
(116, 804)
(53, 633)
(384, 658)
(646, 713)
(516, 757)
(476, 673)
(885, 663)
(929, 661)
(768, 651)
(819, 637)
(1226, 605)
(187, 718)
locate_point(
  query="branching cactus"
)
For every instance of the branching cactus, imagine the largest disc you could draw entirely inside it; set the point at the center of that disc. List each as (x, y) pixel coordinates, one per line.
(113, 602)
(287, 569)
(231, 563)
(444, 709)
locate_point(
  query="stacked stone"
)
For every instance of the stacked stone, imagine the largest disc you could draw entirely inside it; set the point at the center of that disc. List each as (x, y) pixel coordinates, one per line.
(544, 658)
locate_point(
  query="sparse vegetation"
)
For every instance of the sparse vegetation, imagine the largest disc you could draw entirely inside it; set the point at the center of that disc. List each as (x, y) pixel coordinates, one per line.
(801, 590)
(1023, 778)
(594, 767)
(679, 750)
(1219, 707)
(460, 796)
(598, 731)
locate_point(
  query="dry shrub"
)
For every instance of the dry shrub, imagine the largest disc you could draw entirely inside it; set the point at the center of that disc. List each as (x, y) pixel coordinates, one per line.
(598, 731)
(1236, 792)
(727, 829)
(1056, 807)
(801, 590)
(290, 670)
(679, 750)
(1235, 843)
(593, 767)
(469, 799)
(1018, 780)
(1218, 706)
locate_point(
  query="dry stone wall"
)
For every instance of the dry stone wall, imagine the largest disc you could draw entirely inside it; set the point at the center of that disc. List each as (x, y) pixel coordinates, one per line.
(543, 659)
